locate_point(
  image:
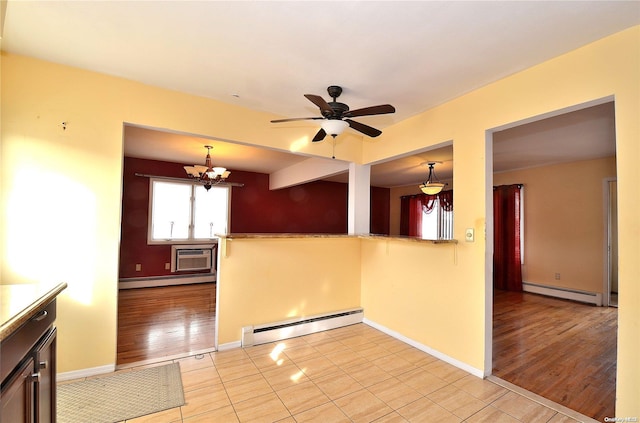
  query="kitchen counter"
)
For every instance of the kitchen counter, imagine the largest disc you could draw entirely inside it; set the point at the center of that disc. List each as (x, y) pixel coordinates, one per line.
(363, 236)
(28, 361)
(21, 302)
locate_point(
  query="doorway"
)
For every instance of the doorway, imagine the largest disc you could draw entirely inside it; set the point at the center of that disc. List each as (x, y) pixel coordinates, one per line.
(161, 313)
(595, 122)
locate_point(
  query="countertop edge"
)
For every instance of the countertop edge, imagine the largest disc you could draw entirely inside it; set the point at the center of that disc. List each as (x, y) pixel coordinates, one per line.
(28, 312)
(231, 237)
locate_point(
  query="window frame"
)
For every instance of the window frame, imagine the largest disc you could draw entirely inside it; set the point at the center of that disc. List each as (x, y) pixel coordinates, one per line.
(192, 205)
(440, 225)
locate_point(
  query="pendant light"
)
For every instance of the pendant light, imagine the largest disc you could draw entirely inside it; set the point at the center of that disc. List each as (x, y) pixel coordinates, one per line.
(432, 185)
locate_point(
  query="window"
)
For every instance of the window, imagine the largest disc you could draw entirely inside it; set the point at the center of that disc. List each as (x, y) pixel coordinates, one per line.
(427, 216)
(437, 223)
(183, 211)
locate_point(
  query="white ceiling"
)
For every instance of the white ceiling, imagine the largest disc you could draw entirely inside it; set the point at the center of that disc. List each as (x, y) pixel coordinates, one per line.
(266, 55)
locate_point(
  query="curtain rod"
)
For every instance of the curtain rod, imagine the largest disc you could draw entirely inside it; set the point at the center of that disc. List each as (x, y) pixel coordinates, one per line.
(420, 194)
(173, 178)
(518, 185)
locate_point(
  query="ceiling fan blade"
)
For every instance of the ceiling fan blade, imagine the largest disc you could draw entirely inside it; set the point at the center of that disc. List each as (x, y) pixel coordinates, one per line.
(321, 103)
(373, 110)
(365, 129)
(319, 136)
(294, 119)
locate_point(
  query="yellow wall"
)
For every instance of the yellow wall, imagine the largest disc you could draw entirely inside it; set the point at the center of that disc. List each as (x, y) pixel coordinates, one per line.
(62, 188)
(564, 222)
(418, 290)
(606, 69)
(274, 279)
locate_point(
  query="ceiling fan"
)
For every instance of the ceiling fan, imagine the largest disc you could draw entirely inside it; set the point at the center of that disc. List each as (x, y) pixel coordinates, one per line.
(336, 116)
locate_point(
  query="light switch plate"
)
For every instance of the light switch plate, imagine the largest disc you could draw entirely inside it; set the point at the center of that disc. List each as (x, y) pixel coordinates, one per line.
(468, 235)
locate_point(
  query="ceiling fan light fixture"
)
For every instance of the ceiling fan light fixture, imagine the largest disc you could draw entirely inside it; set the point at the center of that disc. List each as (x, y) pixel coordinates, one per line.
(432, 185)
(334, 127)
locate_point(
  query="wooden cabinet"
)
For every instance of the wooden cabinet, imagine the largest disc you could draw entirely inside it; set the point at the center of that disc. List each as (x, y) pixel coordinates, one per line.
(17, 396)
(28, 370)
(45, 386)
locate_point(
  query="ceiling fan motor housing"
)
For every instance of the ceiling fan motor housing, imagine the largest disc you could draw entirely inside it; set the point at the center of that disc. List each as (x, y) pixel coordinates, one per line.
(339, 109)
(334, 91)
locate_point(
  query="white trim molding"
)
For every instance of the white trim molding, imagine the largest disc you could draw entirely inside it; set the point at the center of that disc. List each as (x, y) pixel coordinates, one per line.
(437, 354)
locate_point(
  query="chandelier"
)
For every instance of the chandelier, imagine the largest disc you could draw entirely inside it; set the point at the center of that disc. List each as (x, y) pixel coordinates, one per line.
(207, 174)
(432, 185)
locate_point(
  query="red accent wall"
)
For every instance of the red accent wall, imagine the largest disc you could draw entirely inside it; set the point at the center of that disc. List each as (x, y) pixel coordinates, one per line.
(379, 217)
(315, 207)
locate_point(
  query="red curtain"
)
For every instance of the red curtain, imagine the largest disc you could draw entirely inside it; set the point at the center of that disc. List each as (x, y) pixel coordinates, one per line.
(412, 207)
(411, 215)
(507, 262)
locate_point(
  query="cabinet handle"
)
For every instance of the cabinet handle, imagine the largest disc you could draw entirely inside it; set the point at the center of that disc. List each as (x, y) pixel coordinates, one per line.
(35, 380)
(41, 315)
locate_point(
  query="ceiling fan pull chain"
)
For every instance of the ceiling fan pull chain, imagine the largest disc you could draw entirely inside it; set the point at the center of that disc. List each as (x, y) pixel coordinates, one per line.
(333, 153)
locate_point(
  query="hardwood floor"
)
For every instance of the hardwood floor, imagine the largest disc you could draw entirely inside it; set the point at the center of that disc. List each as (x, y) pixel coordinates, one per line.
(161, 322)
(561, 350)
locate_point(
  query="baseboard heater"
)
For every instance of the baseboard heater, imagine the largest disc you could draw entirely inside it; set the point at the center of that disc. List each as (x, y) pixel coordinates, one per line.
(156, 281)
(262, 334)
(566, 293)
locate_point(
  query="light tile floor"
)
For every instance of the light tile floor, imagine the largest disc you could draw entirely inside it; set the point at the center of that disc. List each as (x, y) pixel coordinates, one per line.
(352, 374)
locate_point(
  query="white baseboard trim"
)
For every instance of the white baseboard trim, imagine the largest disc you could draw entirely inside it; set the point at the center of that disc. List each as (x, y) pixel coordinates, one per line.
(565, 293)
(169, 280)
(229, 346)
(447, 359)
(82, 373)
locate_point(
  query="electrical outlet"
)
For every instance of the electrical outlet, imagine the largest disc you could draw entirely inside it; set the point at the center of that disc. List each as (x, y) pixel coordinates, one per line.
(557, 276)
(167, 266)
(468, 235)
(138, 267)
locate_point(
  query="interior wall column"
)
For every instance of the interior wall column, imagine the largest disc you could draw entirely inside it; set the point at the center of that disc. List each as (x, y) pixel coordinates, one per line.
(359, 198)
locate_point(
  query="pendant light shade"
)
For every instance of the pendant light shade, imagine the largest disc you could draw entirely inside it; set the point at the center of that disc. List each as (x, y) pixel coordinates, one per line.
(432, 185)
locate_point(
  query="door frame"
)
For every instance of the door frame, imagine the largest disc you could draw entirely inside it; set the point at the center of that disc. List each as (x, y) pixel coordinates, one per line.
(606, 278)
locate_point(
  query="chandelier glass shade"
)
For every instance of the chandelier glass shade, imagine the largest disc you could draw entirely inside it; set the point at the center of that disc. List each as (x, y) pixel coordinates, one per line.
(432, 185)
(207, 174)
(334, 127)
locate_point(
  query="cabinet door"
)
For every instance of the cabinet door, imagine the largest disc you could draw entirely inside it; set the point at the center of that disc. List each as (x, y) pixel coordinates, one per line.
(45, 365)
(16, 398)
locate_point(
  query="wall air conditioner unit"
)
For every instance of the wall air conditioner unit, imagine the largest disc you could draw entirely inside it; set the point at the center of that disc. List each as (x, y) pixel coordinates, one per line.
(186, 258)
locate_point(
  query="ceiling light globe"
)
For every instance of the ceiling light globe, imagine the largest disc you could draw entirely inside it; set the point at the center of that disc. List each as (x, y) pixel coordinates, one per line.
(334, 126)
(431, 188)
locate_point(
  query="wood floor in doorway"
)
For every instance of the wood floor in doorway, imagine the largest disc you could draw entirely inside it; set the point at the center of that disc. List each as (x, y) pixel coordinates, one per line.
(161, 322)
(561, 350)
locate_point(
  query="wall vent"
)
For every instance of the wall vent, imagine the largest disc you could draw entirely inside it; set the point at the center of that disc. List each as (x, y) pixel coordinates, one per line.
(262, 334)
(186, 258)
